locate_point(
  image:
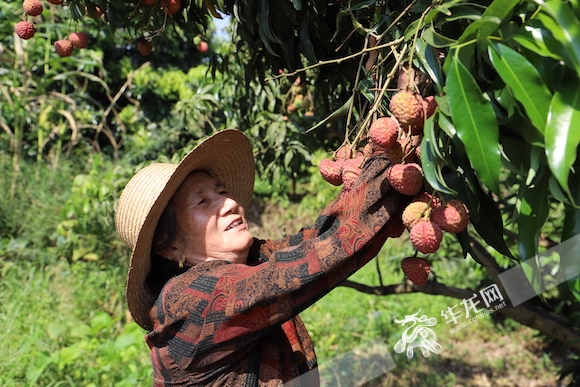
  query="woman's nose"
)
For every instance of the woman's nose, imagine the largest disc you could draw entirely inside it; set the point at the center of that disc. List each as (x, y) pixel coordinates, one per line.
(229, 205)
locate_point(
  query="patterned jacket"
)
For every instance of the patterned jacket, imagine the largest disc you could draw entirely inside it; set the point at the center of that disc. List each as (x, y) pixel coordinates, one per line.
(226, 324)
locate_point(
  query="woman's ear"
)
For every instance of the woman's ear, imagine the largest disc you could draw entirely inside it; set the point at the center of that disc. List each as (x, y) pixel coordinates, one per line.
(173, 251)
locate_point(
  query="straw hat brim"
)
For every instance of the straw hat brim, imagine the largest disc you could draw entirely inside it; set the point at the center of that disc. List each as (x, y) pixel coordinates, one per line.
(226, 156)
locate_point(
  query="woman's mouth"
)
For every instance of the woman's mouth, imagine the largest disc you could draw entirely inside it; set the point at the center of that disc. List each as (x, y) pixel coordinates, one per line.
(234, 224)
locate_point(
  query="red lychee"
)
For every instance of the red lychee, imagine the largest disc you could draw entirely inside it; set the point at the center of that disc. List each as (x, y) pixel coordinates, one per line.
(416, 269)
(350, 171)
(407, 107)
(426, 236)
(32, 7)
(203, 46)
(384, 131)
(144, 46)
(452, 217)
(406, 178)
(415, 212)
(331, 171)
(395, 153)
(429, 106)
(24, 29)
(171, 6)
(79, 39)
(63, 47)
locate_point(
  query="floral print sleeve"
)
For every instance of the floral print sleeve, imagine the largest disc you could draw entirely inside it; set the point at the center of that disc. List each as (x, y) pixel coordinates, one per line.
(224, 324)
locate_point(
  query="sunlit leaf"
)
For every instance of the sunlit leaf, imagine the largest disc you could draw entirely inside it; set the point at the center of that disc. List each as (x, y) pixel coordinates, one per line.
(562, 134)
(565, 28)
(475, 123)
(524, 81)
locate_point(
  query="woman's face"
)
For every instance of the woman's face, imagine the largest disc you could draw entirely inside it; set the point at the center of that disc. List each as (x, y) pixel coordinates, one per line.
(212, 225)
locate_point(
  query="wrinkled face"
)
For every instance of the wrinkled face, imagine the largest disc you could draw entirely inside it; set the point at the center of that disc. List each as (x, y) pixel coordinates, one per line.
(212, 224)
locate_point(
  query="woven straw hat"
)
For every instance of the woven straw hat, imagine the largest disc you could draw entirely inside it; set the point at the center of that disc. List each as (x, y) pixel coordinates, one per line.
(226, 156)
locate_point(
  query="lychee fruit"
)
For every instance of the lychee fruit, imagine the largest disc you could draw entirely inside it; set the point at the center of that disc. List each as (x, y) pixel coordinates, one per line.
(407, 107)
(24, 29)
(171, 6)
(395, 153)
(144, 46)
(416, 269)
(426, 236)
(79, 39)
(384, 131)
(331, 171)
(63, 47)
(406, 178)
(451, 217)
(415, 212)
(350, 171)
(203, 46)
(56, 2)
(429, 106)
(32, 7)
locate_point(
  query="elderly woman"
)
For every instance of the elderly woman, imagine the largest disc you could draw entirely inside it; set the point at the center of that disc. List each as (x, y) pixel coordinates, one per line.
(221, 307)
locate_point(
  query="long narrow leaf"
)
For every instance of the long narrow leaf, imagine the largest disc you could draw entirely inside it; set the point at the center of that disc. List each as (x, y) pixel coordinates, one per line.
(524, 81)
(566, 27)
(475, 123)
(534, 208)
(562, 134)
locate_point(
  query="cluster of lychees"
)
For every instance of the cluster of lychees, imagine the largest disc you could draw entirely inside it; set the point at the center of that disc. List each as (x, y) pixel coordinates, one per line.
(426, 217)
(26, 29)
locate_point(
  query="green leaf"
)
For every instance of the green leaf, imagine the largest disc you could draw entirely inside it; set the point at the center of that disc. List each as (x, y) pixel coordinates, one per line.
(431, 159)
(435, 39)
(484, 27)
(297, 4)
(490, 227)
(475, 123)
(533, 211)
(562, 134)
(430, 61)
(565, 28)
(501, 9)
(524, 81)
